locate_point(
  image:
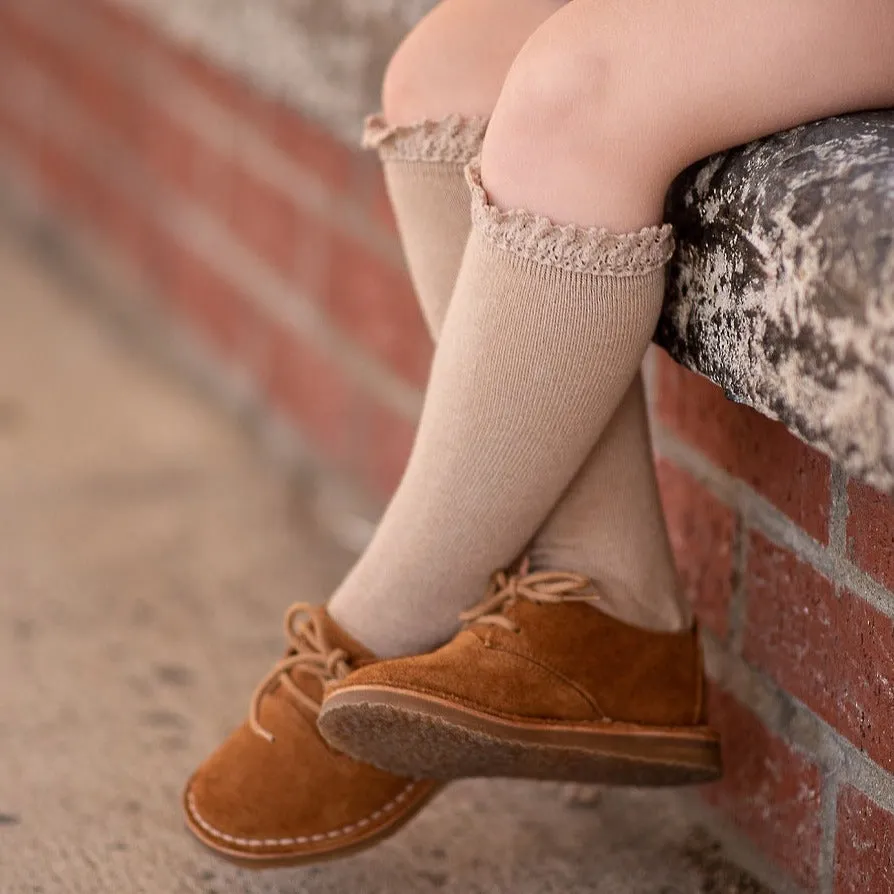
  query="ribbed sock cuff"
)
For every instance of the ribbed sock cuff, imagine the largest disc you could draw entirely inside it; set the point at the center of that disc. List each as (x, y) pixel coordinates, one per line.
(455, 139)
(568, 246)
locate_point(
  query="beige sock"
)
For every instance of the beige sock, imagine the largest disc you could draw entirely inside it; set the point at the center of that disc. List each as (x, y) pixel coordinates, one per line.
(423, 165)
(609, 523)
(543, 337)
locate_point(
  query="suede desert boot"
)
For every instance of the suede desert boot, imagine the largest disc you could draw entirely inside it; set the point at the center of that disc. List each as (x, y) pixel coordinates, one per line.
(541, 684)
(274, 793)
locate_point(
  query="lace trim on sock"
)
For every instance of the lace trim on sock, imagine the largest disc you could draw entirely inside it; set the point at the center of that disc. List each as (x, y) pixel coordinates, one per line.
(569, 247)
(453, 139)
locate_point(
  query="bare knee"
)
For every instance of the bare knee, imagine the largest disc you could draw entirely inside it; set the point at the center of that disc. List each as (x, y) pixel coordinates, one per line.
(609, 99)
(456, 59)
(582, 107)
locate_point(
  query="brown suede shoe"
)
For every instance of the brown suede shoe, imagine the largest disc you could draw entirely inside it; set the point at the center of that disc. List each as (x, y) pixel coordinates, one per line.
(539, 684)
(275, 794)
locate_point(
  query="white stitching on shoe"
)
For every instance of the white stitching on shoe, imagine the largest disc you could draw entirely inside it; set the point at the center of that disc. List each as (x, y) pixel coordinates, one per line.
(301, 839)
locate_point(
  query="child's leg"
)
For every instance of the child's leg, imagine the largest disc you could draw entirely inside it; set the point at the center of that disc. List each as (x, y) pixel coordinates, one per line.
(612, 98)
(439, 90)
(546, 327)
(438, 93)
(272, 793)
(607, 102)
(528, 372)
(455, 60)
(603, 106)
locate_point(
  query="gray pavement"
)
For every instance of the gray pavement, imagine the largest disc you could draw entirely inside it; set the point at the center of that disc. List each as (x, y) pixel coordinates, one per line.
(147, 552)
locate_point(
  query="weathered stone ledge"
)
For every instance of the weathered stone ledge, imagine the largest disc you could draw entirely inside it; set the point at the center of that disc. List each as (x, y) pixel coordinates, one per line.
(782, 288)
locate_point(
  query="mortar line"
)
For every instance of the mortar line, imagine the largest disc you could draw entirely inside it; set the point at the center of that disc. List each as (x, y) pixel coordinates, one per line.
(738, 607)
(838, 511)
(828, 831)
(793, 721)
(762, 516)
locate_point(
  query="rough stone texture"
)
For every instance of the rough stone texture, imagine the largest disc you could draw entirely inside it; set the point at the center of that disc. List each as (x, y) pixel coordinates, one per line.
(782, 287)
(146, 554)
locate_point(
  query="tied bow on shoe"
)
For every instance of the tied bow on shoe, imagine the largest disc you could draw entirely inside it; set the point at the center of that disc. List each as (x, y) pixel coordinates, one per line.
(310, 653)
(538, 586)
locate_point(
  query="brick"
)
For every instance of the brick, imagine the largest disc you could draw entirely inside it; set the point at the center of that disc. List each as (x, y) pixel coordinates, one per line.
(864, 845)
(265, 219)
(311, 148)
(218, 312)
(702, 530)
(105, 90)
(107, 96)
(870, 531)
(833, 652)
(168, 151)
(34, 44)
(104, 206)
(128, 228)
(380, 204)
(262, 216)
(224, 89)
(370, 191)
(23, 134)
(312, 389)
(372, 301)
(158, 253)
(763, 453)
(769, 790)
(122, 35)
(107, 19)
(8, 123)
(386, 442)
(64, 180)
(179, 158)
(27, 146)
(212, 181)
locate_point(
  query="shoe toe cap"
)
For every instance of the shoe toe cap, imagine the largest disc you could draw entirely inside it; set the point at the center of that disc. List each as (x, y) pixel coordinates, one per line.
(255, 801)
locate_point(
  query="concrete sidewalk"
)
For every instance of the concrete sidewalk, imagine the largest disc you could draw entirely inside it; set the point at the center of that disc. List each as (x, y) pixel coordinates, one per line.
(147, 552)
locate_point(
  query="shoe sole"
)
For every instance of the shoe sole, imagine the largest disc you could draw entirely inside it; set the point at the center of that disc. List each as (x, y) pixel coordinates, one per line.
(422, 736)
(305, 856)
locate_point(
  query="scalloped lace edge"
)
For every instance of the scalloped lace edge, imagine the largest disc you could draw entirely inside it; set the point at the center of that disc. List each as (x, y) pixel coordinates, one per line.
(455, 139)
(569, 247)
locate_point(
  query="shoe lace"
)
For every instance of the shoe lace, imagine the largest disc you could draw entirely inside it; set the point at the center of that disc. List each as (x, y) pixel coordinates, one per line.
(506, 588)
(309, 652)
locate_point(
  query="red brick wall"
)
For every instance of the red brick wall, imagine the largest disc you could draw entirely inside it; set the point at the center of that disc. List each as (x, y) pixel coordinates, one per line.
(272, 243)
(787, 564)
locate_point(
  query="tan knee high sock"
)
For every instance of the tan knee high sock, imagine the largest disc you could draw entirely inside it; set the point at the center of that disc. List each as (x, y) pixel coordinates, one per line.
(543, 337)
(609, 522)
(609, 525)
(423, 165)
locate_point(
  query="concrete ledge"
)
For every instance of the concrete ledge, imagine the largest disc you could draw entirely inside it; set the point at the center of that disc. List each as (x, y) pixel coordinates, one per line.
(782, 288)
